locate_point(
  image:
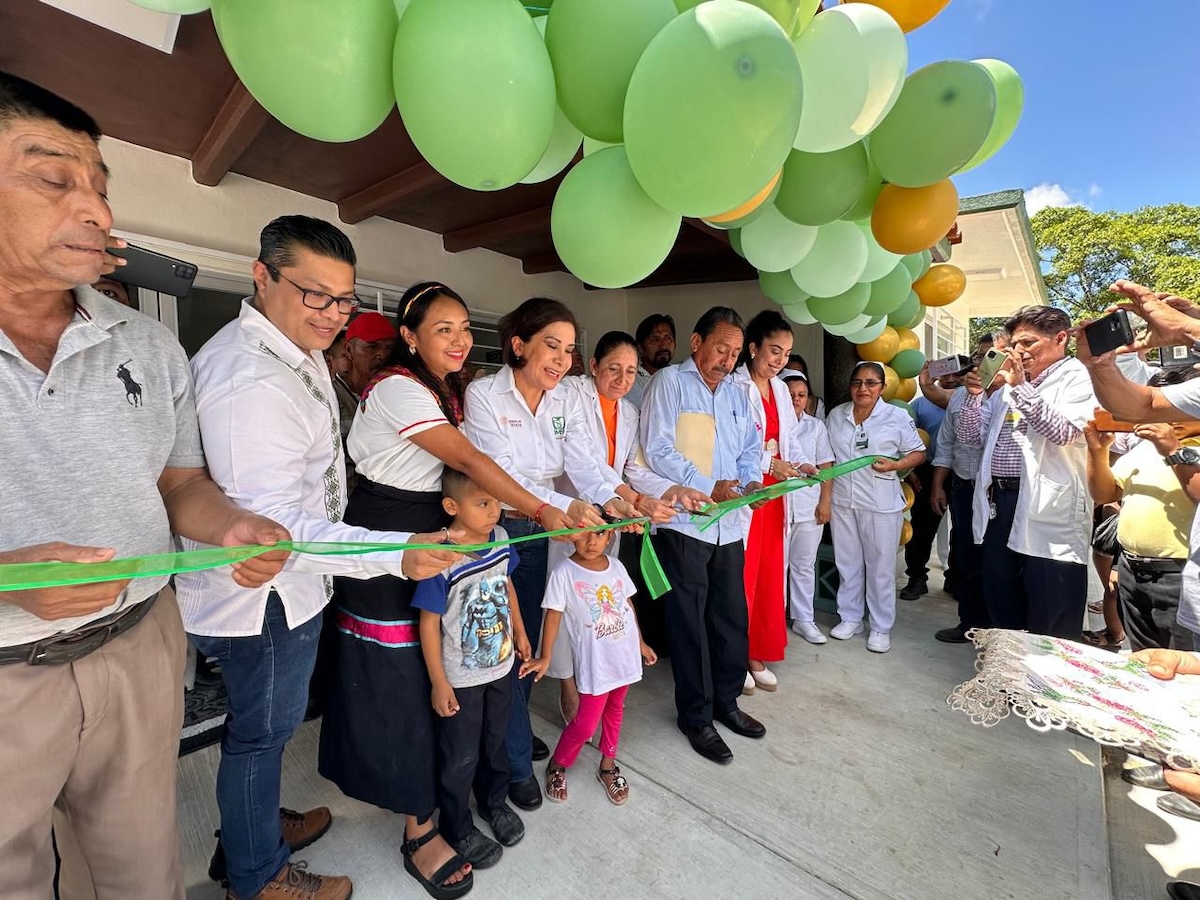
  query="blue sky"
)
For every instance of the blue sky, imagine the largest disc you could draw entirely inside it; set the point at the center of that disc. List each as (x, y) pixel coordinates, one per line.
(1112, 102)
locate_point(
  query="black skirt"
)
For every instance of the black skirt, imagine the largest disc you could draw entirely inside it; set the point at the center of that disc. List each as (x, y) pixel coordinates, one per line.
(378, 733)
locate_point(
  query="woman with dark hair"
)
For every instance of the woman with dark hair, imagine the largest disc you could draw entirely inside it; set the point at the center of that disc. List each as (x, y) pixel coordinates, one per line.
(868, 506)
(613, 428)
(533, 427)
(377, 737)
(768, 343)
(816, 406)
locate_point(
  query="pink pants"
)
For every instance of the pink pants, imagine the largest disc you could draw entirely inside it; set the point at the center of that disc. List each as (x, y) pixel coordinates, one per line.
(592, 709)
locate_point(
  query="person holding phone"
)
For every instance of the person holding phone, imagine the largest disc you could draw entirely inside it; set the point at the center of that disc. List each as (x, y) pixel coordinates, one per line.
(1031, 510)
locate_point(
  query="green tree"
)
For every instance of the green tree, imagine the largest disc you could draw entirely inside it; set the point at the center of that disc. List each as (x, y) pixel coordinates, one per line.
(1083, 252)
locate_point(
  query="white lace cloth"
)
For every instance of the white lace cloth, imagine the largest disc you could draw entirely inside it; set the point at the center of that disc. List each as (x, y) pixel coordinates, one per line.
(1110, 698)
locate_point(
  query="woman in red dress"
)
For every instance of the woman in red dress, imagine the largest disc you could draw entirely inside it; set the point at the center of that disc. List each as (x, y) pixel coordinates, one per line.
(768, 343)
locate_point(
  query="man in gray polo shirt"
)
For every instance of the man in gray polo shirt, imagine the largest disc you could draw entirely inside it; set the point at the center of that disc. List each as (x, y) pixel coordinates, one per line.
(102, 458)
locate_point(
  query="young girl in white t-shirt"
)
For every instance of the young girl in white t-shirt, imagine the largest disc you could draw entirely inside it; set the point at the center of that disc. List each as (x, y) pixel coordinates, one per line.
(589, 594)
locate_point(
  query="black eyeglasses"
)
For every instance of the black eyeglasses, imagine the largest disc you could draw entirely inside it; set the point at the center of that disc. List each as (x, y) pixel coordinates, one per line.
(858, 382)
(319, 299)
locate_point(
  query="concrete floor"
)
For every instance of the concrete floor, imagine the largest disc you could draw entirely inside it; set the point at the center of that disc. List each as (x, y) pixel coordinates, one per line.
(867, 786)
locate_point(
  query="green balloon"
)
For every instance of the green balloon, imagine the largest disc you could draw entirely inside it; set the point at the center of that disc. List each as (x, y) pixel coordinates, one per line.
(475, 88)
(178, 7)
(900, 316)
(1010, 101)
(712, 108)
(818, 188)
(865, 203)
(773, 243)
(917, 318)
(798, 312)
(845, 329)
(594, 48)
(605, 228)
(879, 261)
(591, 145)
(840, 309)
(786, 12)
(321, 69)
(808, 9)
(780, 287)
(564, 140)
(835, 261)
(735, 243)
(900, 404)
(940, 121)
(888, 292)
(683, 6)
(918, 263)
(908, 363)
(870, 332)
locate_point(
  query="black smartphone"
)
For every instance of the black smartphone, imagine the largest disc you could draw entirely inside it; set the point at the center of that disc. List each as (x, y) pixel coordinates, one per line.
(154, 271)
(1109, 332)
(951, 365)
(1178, 356)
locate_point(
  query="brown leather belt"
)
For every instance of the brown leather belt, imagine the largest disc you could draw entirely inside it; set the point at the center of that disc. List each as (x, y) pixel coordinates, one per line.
(69, 646)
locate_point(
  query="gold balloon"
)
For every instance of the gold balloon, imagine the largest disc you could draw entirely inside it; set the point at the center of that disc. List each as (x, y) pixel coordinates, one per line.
(941, 285)
(909, 14)
(909, 220)
(908, 339)
(909, 495)
(883, 348)
(906, 391)
(891, 383)
(921, 432)
(905, 532)
(740, 212)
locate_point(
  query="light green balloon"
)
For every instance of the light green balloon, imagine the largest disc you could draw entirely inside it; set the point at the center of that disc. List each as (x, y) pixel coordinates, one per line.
(177, 7)
(917, 318)
(879, 261)
(1010, 101)
(888, 292)
(683, 6)
(835, 261)
(735, 242)
(908, 363)
(785, 12)
(840, 309)
(605, 228)
(321, 69)
(780, 287)
(591, 145)
(401, 6)
(873, 330)
(844, 329)
(902, 314)
(900, 404)
(475, 88)
(918, 263)
(798, 313)
(564, 144)
(774, 243)
(818, 188)
(712, 108)
(865, 204)
(941, 120)
(594, 48)
(808, 9)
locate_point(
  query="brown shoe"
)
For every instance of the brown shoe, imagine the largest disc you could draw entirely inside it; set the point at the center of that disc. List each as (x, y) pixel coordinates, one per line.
(302, 828)
(295, 882)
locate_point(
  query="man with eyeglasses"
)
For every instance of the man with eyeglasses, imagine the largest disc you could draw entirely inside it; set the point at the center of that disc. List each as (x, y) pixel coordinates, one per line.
(269, 423)
(1031, 510)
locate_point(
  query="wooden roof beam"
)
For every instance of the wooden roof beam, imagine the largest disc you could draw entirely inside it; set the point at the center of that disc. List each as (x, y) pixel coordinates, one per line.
(414, 181)
(704, 228)
(485, 233)
(542, 263)
(236, 125)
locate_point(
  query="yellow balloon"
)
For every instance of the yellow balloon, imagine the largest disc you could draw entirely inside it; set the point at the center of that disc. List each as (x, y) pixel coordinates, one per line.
(909, 14)
(909, 495)
(905, 532)
(891, 383)
(739, 212)
(921, 432)
(906, 391)
(883, 348)
(909, 220)
(941, 285)
(908, 340)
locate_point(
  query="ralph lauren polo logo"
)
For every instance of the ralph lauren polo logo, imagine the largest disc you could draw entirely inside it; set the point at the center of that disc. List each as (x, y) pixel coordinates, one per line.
(133, 390)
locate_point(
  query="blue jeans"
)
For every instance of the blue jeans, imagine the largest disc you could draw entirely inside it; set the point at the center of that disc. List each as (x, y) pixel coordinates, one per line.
(266, 678)
(529, 581)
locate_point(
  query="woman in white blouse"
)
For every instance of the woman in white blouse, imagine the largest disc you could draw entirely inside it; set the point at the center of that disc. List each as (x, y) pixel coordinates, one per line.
(868, 506)
(537, 430)
(377, 737)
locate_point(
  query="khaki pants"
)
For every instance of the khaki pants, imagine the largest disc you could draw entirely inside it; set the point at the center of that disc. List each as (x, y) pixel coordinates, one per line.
(92, 746)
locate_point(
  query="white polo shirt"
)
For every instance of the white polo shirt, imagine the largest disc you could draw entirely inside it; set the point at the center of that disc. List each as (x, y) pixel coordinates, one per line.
(85, 444)
(269, 420)
(396, 409)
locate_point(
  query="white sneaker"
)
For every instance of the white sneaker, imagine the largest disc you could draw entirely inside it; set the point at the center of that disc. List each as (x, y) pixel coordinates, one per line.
(843, 631)
(748, 685)
(764, 679)
(879, 642)
(809, 631)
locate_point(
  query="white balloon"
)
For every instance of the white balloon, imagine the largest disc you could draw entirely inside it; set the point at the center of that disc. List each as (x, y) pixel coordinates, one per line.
(879, 261)
(772, 242)
(835, 262)
(798, 313)
(858, 323)
(854, 57)
(868, 334)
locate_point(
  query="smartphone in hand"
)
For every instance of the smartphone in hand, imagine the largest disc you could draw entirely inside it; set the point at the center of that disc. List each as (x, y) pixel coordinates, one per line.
(1109, 332)
(990, 365)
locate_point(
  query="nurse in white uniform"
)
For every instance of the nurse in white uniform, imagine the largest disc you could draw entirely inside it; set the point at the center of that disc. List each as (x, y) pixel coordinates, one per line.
(868, 506)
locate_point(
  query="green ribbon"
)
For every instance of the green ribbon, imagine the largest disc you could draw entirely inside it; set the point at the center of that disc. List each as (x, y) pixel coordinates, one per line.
(711, 514)
(29, 576)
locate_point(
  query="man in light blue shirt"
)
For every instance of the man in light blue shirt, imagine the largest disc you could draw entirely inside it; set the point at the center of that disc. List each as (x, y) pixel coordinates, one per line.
(697, 431)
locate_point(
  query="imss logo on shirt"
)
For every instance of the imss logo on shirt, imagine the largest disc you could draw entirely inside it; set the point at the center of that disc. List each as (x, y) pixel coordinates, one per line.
(559, 424)
(133, 390)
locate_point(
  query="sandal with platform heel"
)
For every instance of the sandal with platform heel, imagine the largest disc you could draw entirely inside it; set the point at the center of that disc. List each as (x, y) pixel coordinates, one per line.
(435, 885)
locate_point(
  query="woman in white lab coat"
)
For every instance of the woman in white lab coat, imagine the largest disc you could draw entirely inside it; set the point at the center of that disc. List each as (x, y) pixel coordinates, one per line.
(764, 354)
(868, 506)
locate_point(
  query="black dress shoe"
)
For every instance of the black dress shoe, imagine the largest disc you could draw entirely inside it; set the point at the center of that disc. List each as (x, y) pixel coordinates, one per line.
(540, 750)
(1183, 890)
(478, 849)
(955, 635)
(506, 825)
(742, 723)
(708, 743)
(914, 589)
(526, 794)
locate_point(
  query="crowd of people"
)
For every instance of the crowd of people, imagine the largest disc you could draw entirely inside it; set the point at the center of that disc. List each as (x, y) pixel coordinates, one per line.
(305, 419)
